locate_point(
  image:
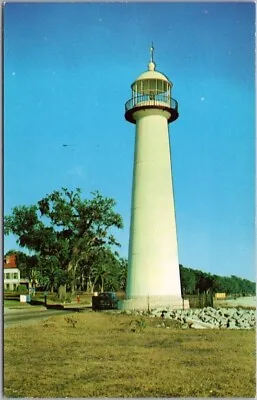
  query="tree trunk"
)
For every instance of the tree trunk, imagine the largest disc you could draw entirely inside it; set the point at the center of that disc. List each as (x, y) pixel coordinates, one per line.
(62, 292)
(72, 288)
(90, 286)
(82, 282)
(93, 285)
(73, 283)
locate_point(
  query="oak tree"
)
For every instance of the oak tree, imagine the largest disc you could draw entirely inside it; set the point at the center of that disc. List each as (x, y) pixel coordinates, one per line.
(63, 230)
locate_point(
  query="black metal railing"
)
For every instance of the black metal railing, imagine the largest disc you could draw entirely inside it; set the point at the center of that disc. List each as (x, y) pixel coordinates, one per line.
(151, 100)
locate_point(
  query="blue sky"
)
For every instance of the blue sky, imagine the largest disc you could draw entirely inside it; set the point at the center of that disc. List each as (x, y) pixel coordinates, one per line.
(68, 68)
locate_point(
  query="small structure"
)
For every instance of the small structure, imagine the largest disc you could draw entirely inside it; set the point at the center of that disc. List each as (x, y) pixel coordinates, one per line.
(11, 273)
(220, 296)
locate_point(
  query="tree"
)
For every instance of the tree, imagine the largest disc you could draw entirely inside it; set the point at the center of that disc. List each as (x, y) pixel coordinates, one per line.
(188, 279)
(105, 272)
(123, 272)
(64, 230)
(193, 281)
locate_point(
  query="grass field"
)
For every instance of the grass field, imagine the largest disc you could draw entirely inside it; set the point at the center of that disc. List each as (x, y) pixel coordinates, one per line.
(15, 304)
(112, 355)
(39, 300)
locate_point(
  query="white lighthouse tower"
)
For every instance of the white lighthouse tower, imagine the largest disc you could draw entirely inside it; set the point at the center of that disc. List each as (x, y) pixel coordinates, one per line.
(153, 267)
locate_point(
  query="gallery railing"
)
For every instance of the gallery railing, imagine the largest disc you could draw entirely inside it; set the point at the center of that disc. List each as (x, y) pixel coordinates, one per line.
(152, 100)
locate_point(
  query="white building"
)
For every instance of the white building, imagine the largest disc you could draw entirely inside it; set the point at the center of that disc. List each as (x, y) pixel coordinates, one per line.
(11, 273)
(11, 278)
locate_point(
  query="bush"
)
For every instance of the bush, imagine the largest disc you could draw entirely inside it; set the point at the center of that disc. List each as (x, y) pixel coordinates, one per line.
(137, 325)
(22, 289)
(71, 321)
(68, 299)
(52, 296)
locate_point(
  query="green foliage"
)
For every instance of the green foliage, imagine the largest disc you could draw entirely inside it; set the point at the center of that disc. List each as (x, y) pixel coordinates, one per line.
(105, 271)
(122, 273)
(69, 236)
(188, 280)
(72, 245)
(22, 289)
(195, 281)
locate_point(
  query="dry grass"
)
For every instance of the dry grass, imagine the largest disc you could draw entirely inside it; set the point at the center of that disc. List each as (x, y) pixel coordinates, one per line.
(105, 355)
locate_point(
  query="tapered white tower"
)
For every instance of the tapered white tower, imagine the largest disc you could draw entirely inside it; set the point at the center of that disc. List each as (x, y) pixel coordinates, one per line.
(153, 267)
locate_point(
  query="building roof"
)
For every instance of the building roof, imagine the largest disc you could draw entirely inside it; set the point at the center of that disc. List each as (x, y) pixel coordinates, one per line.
(10, 261)
(6, 266)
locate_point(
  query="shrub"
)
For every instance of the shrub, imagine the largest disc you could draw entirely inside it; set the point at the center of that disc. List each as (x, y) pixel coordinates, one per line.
(71, 321)
(137, 325)
(22, 289)
(67, 299)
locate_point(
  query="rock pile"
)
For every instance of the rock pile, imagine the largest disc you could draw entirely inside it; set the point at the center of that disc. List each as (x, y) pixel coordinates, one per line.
(210, 318)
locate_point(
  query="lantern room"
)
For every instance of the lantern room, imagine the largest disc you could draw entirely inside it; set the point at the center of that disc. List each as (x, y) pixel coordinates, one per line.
(152, 89)
(152, 83)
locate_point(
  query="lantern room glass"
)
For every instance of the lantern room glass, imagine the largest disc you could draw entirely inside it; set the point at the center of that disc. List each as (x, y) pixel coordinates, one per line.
(150, 86)
(151, 90)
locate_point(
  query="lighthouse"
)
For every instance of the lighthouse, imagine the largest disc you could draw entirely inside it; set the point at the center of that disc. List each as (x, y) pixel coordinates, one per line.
(153, 267)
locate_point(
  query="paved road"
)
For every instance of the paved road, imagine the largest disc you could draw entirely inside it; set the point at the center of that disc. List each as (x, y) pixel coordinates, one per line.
(26, 317)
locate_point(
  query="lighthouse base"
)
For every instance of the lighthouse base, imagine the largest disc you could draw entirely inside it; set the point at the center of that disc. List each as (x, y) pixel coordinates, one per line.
(148, 303)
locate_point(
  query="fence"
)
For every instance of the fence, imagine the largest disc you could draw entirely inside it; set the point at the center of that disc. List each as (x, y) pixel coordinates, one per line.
(200, 300)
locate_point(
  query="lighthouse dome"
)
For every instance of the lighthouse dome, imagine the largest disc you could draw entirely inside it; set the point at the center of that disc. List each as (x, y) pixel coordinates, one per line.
(152, 74)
